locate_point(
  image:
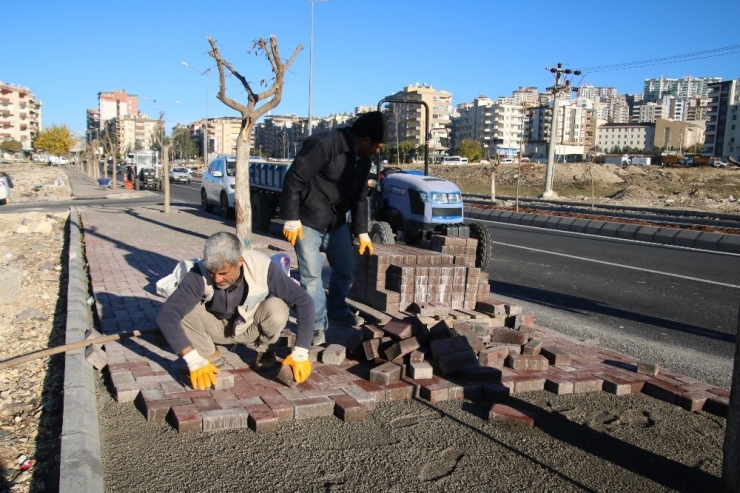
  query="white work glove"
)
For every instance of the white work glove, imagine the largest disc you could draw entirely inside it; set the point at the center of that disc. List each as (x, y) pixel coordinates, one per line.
(365, 243)
(293, 230)
(202, 372)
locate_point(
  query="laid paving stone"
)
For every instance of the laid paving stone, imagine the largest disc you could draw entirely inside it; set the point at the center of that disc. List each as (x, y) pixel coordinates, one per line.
(185, 419)
(312, 407)
(280, 406)
(348, 409)
(262, 419)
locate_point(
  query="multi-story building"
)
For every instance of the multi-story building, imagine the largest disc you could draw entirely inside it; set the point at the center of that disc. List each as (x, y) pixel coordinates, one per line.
(620, 135)
(412, 120)
(597, 94)
(497, 125)
(20, 115)
(722, 136)
(697, 109)
(282, 136)
(648, 112)
(526, 96)
(223, 134)
(135, 132)
(685, 87)
(575, 129)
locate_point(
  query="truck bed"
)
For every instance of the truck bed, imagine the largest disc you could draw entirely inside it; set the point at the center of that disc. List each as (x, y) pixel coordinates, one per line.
(267, 176)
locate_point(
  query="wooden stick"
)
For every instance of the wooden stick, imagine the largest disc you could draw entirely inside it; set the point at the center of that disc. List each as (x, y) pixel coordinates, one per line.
(18, 360)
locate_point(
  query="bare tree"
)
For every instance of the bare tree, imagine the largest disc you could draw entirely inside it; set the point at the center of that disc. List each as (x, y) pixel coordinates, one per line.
(179, 130)
(250, 113)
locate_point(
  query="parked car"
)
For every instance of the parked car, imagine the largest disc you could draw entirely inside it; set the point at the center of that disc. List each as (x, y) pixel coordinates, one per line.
(218, 184)
(5, 185)
(180, 174)
(454, 160)
(506, 160)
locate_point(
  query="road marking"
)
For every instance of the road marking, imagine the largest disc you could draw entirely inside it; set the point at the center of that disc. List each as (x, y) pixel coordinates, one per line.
(603, 262)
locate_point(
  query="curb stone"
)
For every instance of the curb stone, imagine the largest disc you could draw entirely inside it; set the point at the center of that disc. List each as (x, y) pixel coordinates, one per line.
(80, 466)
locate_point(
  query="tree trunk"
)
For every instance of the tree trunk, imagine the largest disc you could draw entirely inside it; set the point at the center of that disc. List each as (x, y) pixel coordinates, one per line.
(731, 449)
(166, 177)
(493, 183)
(242, 198)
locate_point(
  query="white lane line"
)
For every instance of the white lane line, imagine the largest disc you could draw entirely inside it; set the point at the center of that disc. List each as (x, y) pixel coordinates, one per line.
(618, 265)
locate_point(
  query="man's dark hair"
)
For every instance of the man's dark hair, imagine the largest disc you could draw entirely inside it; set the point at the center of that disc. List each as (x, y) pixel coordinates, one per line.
(371, 125)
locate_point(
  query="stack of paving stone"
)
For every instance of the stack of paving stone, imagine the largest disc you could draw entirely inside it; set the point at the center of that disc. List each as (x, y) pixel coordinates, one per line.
(396, 276)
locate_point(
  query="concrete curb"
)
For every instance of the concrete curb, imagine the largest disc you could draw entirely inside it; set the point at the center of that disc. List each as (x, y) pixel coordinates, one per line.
(80, 468)
(667, 236)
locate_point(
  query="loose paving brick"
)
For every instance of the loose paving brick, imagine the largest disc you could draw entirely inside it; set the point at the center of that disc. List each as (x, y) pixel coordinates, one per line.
(348, 409)
(225, 419)
(504, 413)
(386, 373)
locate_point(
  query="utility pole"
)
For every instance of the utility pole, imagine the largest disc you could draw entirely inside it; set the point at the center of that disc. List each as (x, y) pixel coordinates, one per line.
(556, 90)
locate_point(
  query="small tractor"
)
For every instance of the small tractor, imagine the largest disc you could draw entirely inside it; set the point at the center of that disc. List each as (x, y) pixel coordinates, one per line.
(408, 206)
(143, 170)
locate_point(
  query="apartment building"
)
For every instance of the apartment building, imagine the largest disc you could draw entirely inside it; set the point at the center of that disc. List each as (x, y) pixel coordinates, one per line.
(685, 87)
(134, 132)
(20, 115)
(620, 135)
(526, 96)
(282, 136)
(497, 125)
(722, 136)
(575, 129)
(411, 119)
(596, 94)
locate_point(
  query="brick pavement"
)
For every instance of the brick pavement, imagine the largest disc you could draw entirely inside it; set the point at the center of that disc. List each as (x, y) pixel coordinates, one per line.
(129, 249)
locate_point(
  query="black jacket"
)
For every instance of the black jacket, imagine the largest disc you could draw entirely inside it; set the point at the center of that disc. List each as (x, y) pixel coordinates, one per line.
(325, 181)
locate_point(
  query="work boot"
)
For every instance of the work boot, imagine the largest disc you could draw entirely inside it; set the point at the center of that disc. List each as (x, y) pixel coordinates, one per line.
(348, 319)
(319, 337)
(265, 360)
(215, 359)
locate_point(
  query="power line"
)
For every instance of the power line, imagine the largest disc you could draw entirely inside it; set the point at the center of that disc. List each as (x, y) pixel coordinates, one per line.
(712, 53)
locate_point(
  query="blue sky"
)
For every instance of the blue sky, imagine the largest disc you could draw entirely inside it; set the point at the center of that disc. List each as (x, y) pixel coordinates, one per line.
(364, 50)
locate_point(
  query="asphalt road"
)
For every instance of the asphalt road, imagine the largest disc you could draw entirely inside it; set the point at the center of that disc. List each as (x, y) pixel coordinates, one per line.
(640, 298)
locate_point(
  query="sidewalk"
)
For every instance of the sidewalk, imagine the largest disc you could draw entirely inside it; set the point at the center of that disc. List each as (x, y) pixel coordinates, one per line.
(129, 248)
(84, 187)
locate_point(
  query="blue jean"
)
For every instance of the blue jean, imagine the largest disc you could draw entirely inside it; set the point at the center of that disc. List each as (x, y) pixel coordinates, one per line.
(338, 248)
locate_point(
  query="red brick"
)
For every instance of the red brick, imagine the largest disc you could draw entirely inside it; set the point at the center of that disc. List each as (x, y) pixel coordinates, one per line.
(449, 345)
(661, 390)
(280, 406)
(433, 390)
(476, 343)
(377, 391)
(558, 384)
(401, 348)
(694, 401)
(185, 419)
(348, 409)
(386, 373)
(225, 419)
(128, 392)
(493, 356)
(555, 355)
(614, 384)
(534, 346)
(371, 349)
(647, 367)
(205, 403)
(481, 375)
(285, 375)
(313, 407)
(399, 391)
(501, 412)
(528, 383)
(530, 362)
(262, 419)
(508, 336)
(451, 364)
(398, 329)
(586, 383)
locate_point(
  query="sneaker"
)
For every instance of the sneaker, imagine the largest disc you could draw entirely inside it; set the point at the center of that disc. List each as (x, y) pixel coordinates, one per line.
(265, 361)
(319, 337)
(348, 319)
(215, 359)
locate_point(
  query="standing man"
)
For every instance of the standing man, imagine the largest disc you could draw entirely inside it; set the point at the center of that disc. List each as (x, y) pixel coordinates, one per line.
(327, 179)
(234, 296)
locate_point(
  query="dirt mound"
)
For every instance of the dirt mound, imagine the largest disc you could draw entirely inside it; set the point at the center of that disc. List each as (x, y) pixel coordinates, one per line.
(33, 182)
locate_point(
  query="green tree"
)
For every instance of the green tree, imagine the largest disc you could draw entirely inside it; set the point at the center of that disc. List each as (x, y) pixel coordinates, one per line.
(11, 146)
(57, 140)
(183, 145)
(405, 148)
(470, 149)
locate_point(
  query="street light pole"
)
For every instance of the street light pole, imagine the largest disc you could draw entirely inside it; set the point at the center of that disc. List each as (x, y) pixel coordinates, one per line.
(310, 68)
(205, 72)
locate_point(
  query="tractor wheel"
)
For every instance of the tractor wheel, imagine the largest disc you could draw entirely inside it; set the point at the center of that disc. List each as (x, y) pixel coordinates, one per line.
(381, 232)
(226, 212)
(204, 201)
(260, 212)
(484, 251)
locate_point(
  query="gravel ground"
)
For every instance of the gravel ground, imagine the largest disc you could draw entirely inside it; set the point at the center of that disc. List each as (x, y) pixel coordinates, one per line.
(585, 442)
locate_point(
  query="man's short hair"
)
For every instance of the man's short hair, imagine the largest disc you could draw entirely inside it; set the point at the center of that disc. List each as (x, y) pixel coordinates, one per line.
(221, 249)
(371, 125)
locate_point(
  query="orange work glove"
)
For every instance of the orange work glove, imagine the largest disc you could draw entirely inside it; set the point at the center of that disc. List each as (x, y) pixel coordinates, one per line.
(365, 244)
(293, 230)
(298, 361)
(202, 372)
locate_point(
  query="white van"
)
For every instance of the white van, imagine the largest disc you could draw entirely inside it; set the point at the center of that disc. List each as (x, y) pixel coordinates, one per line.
(454, 160)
